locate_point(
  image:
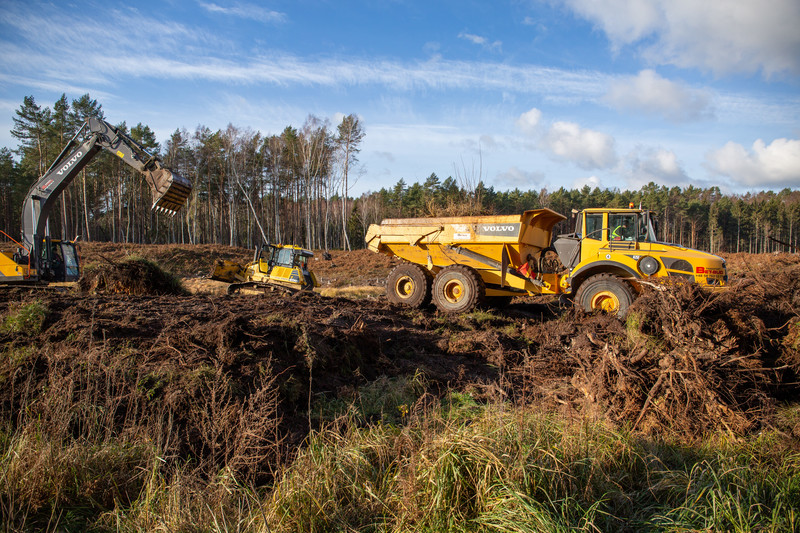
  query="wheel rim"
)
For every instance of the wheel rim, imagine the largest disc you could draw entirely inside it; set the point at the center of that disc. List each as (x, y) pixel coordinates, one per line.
(453, 291)
(404, 287)
(605, 301)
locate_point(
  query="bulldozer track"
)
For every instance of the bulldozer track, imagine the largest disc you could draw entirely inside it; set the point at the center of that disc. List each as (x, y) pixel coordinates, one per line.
(265, 288)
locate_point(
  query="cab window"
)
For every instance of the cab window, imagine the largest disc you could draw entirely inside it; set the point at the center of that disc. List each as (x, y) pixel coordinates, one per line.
(648, 228)
(622, 227)
(70, 259)
(594, 226)
(285, 257)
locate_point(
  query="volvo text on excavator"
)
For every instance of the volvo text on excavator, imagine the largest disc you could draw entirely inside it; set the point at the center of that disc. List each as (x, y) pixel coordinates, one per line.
(42, 258)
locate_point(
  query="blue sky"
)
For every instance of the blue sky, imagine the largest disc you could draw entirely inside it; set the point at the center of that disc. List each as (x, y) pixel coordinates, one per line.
(524, 94)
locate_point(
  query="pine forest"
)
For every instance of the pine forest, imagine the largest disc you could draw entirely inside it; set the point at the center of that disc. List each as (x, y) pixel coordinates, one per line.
(296, 187)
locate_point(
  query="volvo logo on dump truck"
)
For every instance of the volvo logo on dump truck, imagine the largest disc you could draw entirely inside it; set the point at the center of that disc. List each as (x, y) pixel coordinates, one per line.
(500, 230)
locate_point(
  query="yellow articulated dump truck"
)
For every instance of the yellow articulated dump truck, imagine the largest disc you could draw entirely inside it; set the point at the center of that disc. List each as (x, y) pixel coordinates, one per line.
(461, 262)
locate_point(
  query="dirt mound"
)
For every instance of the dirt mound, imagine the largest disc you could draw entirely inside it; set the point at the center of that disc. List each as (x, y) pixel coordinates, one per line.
(226, 381)
(185, 260)
(685, 359)
(135, 276)
(359, 267)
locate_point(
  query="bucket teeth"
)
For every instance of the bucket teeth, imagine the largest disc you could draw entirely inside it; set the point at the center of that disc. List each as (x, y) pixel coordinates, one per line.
(170, 190)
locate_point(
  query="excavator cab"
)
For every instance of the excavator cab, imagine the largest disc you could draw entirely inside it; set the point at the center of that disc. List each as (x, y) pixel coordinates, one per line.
(59, 261)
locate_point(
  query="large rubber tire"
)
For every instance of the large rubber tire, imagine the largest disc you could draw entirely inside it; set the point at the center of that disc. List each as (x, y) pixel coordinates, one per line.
(605, 293)
(409, 284)
(458, 289)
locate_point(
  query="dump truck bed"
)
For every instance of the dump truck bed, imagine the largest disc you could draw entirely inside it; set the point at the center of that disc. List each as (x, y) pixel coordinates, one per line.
(480, 242)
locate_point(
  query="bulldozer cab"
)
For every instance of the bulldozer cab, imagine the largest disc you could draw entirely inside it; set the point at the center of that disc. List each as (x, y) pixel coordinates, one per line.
(270, 256)
(285, 257)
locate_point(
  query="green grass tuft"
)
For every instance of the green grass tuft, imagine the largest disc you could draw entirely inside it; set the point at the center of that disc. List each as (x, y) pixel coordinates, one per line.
(25, 319)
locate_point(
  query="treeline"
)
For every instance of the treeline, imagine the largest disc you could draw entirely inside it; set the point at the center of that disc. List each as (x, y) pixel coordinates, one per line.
(294, 188)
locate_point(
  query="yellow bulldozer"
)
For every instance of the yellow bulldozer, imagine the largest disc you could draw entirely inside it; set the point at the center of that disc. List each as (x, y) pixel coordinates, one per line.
(274, 266)
(461, 262)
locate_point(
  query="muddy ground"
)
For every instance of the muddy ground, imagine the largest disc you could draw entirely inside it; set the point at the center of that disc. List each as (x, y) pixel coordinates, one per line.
(238, 380)
(194, 262)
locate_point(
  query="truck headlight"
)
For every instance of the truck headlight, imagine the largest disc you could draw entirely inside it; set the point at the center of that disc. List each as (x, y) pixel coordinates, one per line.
(649, 265)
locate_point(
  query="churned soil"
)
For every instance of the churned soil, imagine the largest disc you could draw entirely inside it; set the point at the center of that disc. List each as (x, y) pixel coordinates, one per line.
(229, 380)
(343, 269)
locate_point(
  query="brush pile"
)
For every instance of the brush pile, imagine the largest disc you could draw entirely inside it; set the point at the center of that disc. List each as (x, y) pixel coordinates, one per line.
(134, 276)
(685, 359)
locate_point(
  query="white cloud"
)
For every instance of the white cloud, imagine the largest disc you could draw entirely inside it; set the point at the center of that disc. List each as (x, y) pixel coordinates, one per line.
(517, 178)
(773, 165)
(245, 11)
(495, 46)
(714, 35)
(591, 182)
(646, 164)
(651, 94)
(528, 122)
(586, 148)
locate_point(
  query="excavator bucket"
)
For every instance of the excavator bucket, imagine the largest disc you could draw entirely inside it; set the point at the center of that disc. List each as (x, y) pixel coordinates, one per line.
(170, 190)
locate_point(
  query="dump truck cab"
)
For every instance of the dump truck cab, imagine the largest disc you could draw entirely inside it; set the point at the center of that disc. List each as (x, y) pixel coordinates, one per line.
(611, 249)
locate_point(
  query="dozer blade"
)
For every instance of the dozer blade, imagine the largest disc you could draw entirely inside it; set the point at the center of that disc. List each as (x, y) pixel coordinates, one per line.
(227, 271)
(170, 190)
